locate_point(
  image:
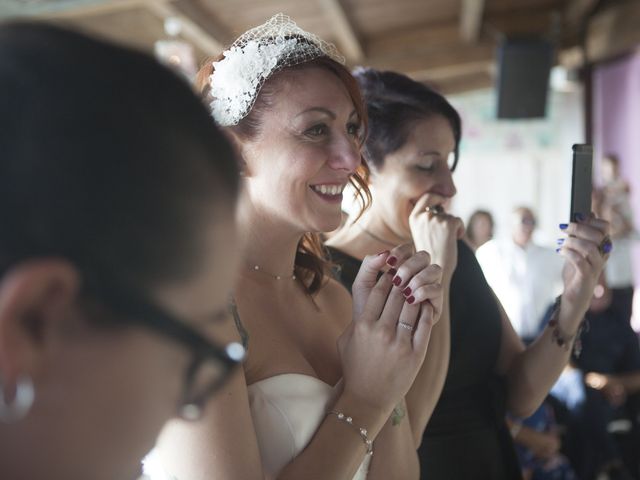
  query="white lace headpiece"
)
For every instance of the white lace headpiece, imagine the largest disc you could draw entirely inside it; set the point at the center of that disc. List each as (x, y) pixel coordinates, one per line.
(253, 58)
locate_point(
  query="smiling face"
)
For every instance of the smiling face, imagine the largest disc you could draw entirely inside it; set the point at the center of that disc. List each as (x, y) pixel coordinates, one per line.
(419, 167)
(305, 152)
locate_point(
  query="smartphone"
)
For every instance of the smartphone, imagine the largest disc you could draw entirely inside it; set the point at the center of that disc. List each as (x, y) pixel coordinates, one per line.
(581, 181)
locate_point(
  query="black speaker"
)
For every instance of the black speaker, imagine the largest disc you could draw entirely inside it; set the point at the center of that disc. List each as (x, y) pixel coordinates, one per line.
(523, 77)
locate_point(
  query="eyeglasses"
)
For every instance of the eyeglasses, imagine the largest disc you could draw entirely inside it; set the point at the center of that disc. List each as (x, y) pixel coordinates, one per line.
(211, 365)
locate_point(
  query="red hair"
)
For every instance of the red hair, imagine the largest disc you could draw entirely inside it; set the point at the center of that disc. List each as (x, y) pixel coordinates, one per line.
(310, 263)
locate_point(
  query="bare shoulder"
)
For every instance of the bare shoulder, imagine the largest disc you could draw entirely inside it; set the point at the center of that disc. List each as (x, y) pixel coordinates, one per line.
(334, 299)
(213, 443)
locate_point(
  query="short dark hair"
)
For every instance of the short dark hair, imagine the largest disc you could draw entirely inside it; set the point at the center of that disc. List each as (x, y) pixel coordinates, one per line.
(107, 158)
(394, 103)
(474, 218)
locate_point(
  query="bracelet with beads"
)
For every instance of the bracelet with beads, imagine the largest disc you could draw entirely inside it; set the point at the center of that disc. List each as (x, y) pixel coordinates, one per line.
(361, 431)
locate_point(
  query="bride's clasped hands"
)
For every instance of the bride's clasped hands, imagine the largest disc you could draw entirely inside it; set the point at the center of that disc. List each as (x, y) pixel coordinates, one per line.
(397, 298)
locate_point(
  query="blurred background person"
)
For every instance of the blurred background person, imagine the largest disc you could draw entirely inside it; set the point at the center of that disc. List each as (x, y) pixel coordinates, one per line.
(117, 250)
(538, 441)
(615, 206)
(525, 276)
(479, 228)
(600, 394)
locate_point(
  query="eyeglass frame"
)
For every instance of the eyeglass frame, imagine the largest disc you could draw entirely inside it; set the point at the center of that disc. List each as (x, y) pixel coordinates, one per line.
(143, 312)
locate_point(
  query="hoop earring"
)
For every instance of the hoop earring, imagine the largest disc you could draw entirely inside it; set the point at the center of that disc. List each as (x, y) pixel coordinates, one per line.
(12, 412)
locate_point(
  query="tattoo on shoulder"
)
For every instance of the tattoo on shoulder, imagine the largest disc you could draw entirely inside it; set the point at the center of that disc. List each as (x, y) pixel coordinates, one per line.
(244, 335)
(397, 415)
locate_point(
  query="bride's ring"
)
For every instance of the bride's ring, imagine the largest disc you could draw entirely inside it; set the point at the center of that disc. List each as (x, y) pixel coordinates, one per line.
(406, 326)
(434, 209)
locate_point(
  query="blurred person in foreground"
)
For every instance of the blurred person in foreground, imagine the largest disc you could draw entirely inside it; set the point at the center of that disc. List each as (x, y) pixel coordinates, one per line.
(117, 249)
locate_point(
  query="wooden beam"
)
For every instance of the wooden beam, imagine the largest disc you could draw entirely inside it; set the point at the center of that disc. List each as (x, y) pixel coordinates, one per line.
(467, 83)
(435, 60)
(471, 20)
(346, 34)
(101, 7)
(446, 35)
(442, 74)
(414, 40)
(575, 21)
(613, 32)
(577, 11)
(205, 18)
(521, 22)
(191, 31)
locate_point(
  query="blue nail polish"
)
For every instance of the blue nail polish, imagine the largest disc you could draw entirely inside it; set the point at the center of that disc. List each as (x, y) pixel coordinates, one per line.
(563, 226)
(560, 241)
(580, 217)
(558, 249)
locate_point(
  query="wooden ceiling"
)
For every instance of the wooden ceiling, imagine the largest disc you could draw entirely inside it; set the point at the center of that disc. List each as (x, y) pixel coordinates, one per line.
(447, 43)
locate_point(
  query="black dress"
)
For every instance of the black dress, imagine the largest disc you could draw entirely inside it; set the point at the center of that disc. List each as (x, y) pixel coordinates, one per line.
(466, 437)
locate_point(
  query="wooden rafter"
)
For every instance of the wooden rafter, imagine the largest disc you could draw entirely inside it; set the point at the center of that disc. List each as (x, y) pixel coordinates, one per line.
(101, 7)
(471, 19)
(613, 32)
(346, 34)
(191, 31)
(438, 62)
(205, 18)
(576, 12)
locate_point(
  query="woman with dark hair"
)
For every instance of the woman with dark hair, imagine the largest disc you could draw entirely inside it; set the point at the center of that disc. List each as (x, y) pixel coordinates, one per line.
(479, 228)
(323, 374)
(117, 248)
(475, 358)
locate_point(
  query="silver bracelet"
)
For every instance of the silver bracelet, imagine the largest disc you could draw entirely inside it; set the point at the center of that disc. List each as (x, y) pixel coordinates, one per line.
(362, 431)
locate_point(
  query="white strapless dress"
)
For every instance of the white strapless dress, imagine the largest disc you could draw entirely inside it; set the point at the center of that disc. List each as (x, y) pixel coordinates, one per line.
(287, 409)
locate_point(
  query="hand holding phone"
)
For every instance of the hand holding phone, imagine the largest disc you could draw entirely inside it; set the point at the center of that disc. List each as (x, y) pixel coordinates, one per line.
(581, 182)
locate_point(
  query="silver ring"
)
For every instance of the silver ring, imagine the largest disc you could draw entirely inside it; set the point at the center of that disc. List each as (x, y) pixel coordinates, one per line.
(434, 209)
(406, 326)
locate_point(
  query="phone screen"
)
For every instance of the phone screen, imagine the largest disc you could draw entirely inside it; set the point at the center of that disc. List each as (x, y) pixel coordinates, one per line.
(581, 181)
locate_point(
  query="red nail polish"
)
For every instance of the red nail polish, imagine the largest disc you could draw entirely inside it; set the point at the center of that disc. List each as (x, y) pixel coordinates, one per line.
(392, 260)
(397, 281)
(407, 291)
(392, 272)
(411, 299)
(383, 253)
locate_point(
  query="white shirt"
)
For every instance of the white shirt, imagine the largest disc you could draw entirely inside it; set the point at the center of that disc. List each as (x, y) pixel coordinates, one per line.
(525, 280)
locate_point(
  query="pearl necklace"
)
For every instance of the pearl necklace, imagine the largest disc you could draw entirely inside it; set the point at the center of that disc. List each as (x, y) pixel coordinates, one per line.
(257, 268)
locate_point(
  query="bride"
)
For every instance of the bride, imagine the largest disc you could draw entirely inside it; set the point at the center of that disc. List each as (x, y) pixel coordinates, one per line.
(322, 391)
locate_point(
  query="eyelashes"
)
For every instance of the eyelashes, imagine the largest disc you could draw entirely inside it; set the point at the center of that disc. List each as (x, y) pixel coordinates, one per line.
(318, 130)
(322, 130)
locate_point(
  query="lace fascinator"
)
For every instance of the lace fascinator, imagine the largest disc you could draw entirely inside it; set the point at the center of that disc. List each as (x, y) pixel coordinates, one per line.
(253, 58)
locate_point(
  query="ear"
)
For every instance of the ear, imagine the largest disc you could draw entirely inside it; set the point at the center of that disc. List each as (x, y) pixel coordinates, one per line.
(239, 146)
(35, 296)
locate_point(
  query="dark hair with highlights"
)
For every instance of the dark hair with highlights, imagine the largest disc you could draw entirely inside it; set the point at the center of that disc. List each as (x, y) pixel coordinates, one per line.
(394, 104)
(310, 263)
